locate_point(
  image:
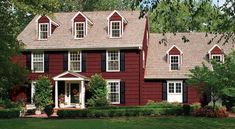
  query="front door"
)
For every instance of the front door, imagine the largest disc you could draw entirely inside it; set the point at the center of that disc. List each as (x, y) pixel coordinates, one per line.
(71, 93)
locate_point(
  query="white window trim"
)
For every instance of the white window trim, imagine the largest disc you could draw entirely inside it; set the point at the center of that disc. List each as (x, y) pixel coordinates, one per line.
(179, 62)
(39, 30)
(120, 29)
(174, 81)
(119, 61)
(75, 29)
(80, 70)
(32, 91)
(221, 57)
(32, 68)
(119, 84)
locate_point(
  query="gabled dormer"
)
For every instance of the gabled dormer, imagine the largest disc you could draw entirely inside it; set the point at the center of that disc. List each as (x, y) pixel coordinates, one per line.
(174, 55)
(80, 23)
(116, 24)
(216, 53)
(45, 27)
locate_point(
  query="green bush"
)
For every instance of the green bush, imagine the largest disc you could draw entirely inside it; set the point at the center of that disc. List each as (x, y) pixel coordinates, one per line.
(162, 104)
(9, 113)
(186, 109)
(233, 109)
(48, 110)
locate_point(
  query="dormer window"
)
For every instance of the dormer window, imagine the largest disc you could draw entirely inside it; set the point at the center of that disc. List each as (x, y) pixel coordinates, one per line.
(79, 30)
(216, 54)
(116, 24)
(43, 31)
(174, 55)
(116, 29)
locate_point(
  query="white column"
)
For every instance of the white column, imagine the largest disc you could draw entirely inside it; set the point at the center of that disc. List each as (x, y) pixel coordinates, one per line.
(82, 94)
(56, 94)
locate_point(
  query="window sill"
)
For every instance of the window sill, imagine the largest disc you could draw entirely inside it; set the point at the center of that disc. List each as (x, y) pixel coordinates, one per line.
(114, 71)
(37, 71)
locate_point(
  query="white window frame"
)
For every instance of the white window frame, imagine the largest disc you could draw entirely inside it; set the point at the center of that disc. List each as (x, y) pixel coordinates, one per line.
(119, 88)
(119, 61)
(175, 81)
(32, 68)
(111, 29)
(220, 55)
(80, 61)
(33, 83)
(179, 62)
(84, 29)
(39, 30)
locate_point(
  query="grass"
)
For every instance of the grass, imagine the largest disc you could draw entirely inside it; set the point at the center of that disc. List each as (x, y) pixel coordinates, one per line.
(120, 123)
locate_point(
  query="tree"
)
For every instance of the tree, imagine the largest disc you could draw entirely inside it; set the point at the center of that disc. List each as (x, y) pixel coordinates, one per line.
(43, 92)
(217, 81)
(98, 88)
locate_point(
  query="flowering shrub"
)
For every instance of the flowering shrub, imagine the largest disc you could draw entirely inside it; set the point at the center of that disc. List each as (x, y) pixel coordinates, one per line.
(208, 111)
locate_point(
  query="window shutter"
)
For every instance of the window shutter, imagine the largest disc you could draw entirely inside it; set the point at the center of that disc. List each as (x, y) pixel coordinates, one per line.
(103, 62)
(84, 56)
(65, 65)
(164, 91)
(46, 62)
(122, 92)
(122, 61)
(185, 93)
(28, 61)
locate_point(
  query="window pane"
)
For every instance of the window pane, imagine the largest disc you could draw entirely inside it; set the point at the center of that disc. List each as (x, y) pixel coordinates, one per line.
(80, 30)
(178, 87)
(75, 61)
(43, 31)
(113, 92)
(38, 62)
(116, 29)
(113, 60)
(174, 62)
(171, 87)
(217, 58)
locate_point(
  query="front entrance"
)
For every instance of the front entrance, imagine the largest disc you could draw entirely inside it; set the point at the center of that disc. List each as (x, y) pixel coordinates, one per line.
(72, 90)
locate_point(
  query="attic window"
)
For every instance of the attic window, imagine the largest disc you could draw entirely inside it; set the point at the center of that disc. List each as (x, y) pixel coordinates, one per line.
(174, 62)
(79, 30)
(174, 58)
(217, 57)
(43, 31)
(215, 53)
(115, 29)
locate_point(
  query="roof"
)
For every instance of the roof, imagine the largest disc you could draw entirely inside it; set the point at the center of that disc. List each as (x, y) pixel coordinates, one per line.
(97, 37)
(69, 75)
(194, 53)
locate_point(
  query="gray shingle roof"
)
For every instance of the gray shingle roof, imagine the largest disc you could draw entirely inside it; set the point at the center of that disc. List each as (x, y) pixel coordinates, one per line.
(97, 37)
(194, 53)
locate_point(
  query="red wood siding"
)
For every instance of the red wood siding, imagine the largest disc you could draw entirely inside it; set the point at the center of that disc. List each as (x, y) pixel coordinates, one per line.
(53, 27)
(193, 95)
(152, 90)
(68, 76)
(216, 50)
(43, 19)
(115, 17)
(79, 18)
(174, 51)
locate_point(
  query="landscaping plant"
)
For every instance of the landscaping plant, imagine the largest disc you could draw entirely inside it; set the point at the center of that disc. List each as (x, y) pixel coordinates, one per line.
(48, 110)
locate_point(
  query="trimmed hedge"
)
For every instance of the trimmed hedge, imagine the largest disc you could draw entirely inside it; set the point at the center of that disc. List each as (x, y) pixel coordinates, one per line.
(9, 113)
(118, 112)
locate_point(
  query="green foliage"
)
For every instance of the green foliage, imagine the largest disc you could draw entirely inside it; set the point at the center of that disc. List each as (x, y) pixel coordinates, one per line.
(98, 87)
(9, 113)
(49, 110)
(195, 106)
(43, 92)
(8, 104)
(233, 109)
(186, 109)
(162, 104)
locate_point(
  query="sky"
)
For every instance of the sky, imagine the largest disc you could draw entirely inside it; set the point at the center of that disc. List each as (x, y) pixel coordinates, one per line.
(221, 2)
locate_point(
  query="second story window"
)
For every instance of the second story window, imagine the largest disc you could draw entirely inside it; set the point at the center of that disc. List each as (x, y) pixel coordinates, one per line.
(217, 57)
(43, 31)
(37, 63)
(115, 29)
(113, 61)
(174, 62)
(75, 61)
(79, 30)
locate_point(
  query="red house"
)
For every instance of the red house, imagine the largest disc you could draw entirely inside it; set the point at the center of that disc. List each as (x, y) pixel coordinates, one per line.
(138, 66)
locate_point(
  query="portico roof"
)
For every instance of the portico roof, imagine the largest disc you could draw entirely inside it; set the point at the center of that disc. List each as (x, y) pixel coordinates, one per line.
(70, 76)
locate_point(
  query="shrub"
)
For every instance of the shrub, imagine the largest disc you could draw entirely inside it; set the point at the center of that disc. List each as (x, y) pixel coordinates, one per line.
(209, 111)
(43, 92)
(233, 109)
(186, 109)
(98, 87)
(195, 106)
(9, 113)
(48, 110)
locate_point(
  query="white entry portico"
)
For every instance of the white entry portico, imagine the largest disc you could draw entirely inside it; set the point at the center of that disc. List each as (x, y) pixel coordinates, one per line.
(74, 84)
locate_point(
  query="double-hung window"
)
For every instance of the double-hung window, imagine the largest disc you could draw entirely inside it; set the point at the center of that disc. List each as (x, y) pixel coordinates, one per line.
(43, 31)
(217, 57)
(79, 30)
(75, 61)
(174, 62)
(115, 29)
(113, 61)
(114, 91)
(37, 64)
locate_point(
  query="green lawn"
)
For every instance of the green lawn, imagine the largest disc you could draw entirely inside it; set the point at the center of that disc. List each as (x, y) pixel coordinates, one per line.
(120, 123)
